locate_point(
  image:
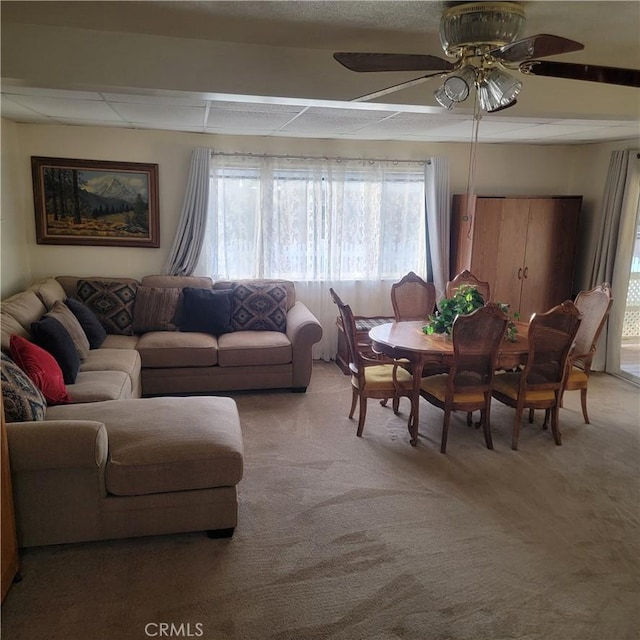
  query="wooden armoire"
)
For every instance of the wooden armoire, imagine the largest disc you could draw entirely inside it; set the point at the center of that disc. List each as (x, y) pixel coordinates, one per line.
(525, 247)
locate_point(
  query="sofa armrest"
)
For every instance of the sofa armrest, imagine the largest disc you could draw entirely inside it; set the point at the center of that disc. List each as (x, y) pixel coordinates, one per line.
(303, 330)
(57, 444)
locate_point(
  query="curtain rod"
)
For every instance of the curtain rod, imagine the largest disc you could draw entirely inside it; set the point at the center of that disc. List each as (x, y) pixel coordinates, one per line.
(289, 157)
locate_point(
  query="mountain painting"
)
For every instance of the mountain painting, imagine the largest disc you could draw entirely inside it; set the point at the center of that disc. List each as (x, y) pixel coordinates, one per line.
(95, 202)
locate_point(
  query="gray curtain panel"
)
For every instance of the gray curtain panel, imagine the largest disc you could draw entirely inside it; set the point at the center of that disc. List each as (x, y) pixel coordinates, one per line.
(187, 244)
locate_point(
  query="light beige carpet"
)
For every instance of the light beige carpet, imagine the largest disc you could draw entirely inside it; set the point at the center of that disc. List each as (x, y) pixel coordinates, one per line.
(348, 538)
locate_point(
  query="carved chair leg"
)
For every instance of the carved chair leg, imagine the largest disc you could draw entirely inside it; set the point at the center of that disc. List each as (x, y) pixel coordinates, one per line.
(354, 402)
(396, 404)
(532, 415)
(485, 419)
(555, 427)
(383, 403)
(445, 431)
(516, 430)
(362, 414)
(583, 401)
(545, 424)
(470, 418)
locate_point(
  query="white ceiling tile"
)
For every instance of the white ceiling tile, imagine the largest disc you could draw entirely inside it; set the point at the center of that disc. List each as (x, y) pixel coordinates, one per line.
(50, 93)
(169, 100)
(159, 113)
(68, 108)
(237, 121)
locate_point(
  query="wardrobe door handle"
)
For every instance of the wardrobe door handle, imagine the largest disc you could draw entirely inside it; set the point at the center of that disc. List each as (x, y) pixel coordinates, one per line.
(520, 273)
(526, 272)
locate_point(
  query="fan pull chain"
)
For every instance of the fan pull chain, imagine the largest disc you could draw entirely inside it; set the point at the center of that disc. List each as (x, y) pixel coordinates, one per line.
(471, 177)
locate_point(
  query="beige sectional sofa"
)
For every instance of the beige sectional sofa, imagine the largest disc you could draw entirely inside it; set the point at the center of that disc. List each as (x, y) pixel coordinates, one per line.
(114, 464)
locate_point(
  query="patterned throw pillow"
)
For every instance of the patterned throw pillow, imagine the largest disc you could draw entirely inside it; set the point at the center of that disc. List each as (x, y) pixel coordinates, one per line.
(155, 308)
(22, 400)
(67, 319)
(111, 301)
(259, 307)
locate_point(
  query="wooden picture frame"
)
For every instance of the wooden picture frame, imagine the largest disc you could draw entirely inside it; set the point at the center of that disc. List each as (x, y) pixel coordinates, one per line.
(95, 202)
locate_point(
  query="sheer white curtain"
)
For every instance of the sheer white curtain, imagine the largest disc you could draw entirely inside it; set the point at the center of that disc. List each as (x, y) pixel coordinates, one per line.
(354, 225)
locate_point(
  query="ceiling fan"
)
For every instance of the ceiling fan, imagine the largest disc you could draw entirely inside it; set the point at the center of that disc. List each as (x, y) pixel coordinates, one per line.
(481, 38)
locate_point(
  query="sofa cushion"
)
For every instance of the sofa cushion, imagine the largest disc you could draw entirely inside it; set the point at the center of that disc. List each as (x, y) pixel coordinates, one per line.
(49, 334)
(21, 399)
(179, 282)
(125, 360)
(112, 301)
(155, 309)
(257, 348)
(25, 307)
(89, 322)
(259, 307)
(97, 386)
(206, 310)
(151, 451)
(120, 342)
(42, 369)
(68, 320)
(177, 349)
(49, 291)
(9, 326)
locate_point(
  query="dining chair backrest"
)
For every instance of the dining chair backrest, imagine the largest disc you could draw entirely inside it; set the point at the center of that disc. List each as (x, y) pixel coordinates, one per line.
(413, 298)
(551, 337)
(349, 326)
(466, 277)
(476, 342)
(594, 306)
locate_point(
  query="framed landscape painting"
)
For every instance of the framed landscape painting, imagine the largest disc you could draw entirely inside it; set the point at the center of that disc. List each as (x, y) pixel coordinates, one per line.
(95, 202)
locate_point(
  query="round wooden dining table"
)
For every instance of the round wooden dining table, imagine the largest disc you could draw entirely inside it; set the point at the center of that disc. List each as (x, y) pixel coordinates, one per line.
(408, 340)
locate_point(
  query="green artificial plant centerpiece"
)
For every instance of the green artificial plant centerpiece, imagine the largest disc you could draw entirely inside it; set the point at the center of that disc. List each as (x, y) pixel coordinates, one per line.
(466, 300)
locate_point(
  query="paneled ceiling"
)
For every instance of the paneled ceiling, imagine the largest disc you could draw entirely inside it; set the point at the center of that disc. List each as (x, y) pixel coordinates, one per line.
(266, 68)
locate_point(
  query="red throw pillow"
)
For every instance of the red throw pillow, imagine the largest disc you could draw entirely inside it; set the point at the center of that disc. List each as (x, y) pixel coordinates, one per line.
(42, 369)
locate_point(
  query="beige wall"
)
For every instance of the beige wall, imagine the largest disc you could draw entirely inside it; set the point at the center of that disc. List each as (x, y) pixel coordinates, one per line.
(15, 269)
(501, 169)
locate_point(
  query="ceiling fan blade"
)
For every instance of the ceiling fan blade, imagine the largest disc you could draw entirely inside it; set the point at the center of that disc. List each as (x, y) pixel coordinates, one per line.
(392, 62)
(395, 87)
(589, 72)
(538, 46)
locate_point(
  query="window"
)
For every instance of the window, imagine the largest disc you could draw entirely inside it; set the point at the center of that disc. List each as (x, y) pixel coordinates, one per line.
(315, 219)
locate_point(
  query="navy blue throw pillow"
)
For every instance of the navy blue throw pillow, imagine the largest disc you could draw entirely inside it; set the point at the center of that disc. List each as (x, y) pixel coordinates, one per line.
(96, 333)
(206, 310)
(49, 334)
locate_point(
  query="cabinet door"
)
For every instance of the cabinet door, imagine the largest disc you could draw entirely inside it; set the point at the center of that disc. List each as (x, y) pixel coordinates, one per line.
(550, 252)
(500, 233)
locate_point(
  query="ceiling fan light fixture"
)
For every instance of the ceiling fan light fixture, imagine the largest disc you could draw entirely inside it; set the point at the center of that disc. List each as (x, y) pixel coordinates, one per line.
(458, 85)
(502, 86)
(443, 99)
(492, 24)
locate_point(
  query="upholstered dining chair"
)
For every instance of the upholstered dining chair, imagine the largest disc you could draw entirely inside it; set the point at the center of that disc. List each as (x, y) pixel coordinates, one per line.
(379, 377)
(467, 387)
(594, 305)
(539, 385)
(466, 277)
(413, 298)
